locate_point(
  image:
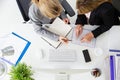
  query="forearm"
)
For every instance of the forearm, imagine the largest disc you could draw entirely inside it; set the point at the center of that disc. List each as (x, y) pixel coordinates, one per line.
(98, 31)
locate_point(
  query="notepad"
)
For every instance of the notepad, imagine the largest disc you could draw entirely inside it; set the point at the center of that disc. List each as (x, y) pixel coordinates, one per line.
(57, 27)
(19, 44)
(76, 40)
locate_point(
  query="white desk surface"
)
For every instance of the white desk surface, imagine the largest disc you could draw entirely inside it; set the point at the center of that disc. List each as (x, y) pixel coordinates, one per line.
(33, 54)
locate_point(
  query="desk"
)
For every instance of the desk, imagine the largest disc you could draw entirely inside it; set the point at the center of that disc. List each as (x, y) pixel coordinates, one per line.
(32, 56)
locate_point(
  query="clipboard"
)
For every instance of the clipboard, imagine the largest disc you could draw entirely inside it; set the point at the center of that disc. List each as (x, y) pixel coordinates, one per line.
(20, 46)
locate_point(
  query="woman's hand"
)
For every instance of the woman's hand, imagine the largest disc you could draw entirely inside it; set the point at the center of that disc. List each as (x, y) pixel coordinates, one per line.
(63, 40)
(88, 37)
(78, 30)
(66, 20)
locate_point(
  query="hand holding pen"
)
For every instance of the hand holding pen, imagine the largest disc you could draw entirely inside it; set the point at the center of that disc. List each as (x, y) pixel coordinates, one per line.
(64, 40)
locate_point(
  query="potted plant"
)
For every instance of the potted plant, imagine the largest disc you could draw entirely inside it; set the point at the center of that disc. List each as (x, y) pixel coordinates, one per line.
(21, 72)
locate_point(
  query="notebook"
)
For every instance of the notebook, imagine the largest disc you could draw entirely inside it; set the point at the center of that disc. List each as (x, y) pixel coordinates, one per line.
(77, 40)
(62, 55)
(60, 28)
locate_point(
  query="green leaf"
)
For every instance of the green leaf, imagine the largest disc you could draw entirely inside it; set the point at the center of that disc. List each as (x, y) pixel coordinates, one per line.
(21, 72)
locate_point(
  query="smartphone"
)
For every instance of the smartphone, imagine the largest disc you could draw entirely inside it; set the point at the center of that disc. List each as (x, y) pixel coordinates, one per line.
(86, 55)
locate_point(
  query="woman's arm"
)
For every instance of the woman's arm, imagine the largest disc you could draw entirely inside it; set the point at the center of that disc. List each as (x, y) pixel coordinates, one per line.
(109, 17)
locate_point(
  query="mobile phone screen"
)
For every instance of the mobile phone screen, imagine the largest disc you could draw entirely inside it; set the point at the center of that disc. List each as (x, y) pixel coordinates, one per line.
(86, 55)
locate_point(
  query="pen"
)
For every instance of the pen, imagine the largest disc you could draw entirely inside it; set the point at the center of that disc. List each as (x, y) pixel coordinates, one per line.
(66, 40)
(69, 40)
(46, 26)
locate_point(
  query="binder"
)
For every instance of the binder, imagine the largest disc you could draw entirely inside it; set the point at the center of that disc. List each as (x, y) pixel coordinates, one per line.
(57, 27)
(112, 68)
(115, 64)
(19, 44)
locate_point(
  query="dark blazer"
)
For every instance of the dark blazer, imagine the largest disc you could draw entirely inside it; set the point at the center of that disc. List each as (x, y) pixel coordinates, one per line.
(104, 15)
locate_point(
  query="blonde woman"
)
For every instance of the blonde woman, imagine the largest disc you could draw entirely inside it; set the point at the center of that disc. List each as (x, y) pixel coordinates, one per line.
(44, 12)
(95, 12)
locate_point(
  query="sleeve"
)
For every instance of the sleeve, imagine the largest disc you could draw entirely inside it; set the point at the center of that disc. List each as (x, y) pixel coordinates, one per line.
(63, 15)
(81, 19)
(109, 19)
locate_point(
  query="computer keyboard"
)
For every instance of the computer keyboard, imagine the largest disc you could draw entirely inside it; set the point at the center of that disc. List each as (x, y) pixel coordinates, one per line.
(62, 55)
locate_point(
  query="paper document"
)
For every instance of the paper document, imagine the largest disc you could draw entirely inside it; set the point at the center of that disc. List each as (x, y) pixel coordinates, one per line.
(13, 48)
(106, 68)
(76, 40)
(57, 27)
(118, 70)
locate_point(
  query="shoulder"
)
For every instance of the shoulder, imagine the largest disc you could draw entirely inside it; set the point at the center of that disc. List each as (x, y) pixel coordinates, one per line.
(33, 8)
(105, 7)
(34, 12)
(108, 4)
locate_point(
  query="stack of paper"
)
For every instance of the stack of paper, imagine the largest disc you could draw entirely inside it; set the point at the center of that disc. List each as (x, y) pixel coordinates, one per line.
(115, 65)
(118, 68)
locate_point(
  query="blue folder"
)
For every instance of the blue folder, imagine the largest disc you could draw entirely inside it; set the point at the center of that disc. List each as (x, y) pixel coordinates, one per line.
(112, 67)
(113, 50)
(22, 51)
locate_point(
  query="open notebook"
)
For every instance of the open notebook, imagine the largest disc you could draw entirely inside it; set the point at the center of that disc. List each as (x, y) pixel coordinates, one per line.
(60, 28)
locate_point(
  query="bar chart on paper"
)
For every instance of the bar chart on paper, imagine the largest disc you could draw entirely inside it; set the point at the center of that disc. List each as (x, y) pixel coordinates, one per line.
(76, 40)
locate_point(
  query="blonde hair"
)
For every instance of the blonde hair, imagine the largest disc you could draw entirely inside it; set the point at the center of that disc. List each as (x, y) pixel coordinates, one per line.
(85, 6)
(49, 8)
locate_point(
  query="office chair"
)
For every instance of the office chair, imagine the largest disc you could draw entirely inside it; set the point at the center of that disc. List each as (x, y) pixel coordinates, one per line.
(24, 8)
(25, 4)
(116, 4)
